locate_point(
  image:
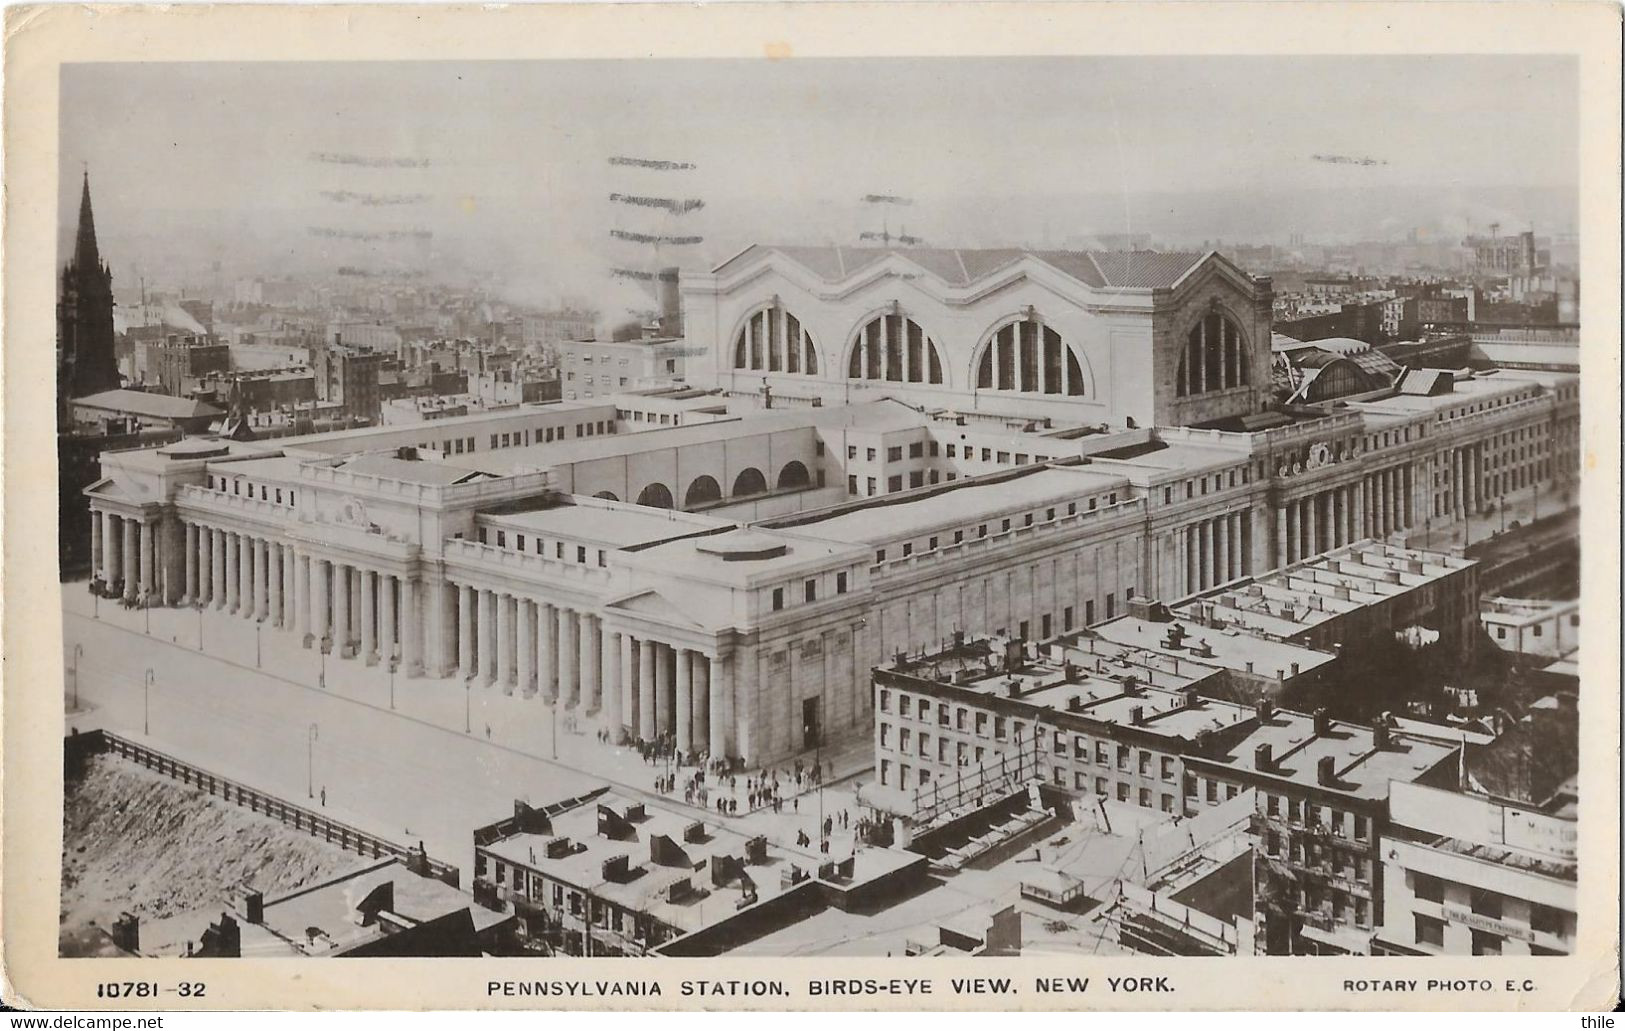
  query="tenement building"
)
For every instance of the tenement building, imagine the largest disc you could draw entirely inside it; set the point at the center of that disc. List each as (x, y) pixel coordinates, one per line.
(881, 447)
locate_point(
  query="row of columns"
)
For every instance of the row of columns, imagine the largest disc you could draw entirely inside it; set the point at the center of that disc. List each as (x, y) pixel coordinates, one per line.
(1217, 550)
(1466, 478)
(127, 553)
(636, 687)
(349, 610)
(1376, 506)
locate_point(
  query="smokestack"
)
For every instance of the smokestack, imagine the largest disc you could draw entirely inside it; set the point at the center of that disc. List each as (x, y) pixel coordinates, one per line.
(670, 300)
(1323, 721)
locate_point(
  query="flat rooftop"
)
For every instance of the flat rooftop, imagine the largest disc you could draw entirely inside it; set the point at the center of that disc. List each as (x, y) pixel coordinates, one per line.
(330, 908)
(613, 524)
(1097, 691)
(646, 831)
(1229, 648)
(900, 516)
(1361, 769)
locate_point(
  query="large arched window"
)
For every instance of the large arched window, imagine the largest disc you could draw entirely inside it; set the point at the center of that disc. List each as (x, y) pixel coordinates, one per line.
(1031, 358)
(893, 347)
(655, 495)
(750, 481)
(794, 474)
(773, 340)
(703, 491)
(1215, 357)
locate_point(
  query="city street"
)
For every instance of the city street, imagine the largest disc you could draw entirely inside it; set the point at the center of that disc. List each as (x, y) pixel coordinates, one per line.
(419, 759)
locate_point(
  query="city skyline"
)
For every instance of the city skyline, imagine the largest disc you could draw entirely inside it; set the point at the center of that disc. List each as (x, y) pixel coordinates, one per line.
(515, 187)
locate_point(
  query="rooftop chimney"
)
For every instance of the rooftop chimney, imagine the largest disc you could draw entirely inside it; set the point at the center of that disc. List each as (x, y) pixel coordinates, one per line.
(1326, 771)
(1265, 710)
(1323, 721)
(1136, 714)
(1263, 758)
(254, 907)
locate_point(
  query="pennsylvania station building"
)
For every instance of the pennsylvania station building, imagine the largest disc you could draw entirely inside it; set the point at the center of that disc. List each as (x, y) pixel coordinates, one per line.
(875, 449)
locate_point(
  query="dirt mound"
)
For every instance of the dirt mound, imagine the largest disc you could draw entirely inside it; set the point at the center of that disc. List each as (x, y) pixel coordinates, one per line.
(139, 842)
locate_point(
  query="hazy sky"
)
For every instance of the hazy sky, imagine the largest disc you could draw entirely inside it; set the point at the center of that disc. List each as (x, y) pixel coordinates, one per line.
(192, 163)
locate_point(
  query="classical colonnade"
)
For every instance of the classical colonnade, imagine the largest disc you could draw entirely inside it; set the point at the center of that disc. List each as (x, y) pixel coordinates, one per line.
(127, 554)
(1218, 550)
(634, 686)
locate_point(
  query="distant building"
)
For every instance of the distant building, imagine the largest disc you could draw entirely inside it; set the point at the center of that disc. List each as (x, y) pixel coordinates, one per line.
(1532, 626)
(126, 411)
(382, 910)
(609, 875)
(1322, 787)
(1350, 598)
(348, 377)
(265, 390)
(1470, 873)
(982, 717)
(548, 328)
(598, 368)
(171, 360)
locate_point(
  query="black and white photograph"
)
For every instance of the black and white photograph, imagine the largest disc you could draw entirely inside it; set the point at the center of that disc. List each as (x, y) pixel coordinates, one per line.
(810, 507)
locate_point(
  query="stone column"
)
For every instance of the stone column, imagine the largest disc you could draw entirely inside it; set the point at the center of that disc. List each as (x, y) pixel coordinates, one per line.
(486, 634)
(387, 634)
(369, 617)
(547, 653)
(262, 579)
(1193, 559)
(629, 684)
(647, 727)
(1280, 537)
(587, 628)
(145, 535)
(341, 610)
(503, 603)
(320, 599)
(205, 567)
(223, 570)
(411, 627)
(108, 556)
(720, 685)
(568, 656)
(245, 576)
(1221, 549)
(685, 702)
(526, 665)
(609, 658)
(663, 689)
(301, 597)
(130, 549)
(702, 693)
(97, 551)
(465, 631)
(1204, 560)
(190, 589)
(745, 673)
(273, 581)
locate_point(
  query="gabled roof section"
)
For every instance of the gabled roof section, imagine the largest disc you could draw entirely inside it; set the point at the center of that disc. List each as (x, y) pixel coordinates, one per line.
(962, 267)
(651, 604)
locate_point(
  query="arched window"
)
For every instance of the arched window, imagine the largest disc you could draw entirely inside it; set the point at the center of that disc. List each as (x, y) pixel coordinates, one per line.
(1031, 358)
(749, 482)
(893, 347)
(1215, 357)
(702, 491)
(773, 340)
(655, 495)
(607, 495)
(794, 474)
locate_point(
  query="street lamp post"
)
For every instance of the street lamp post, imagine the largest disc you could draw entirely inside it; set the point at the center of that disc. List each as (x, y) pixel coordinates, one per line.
(146, 611)
(310, 761)
(78, 650)
(392, 683)
(200, 628)
(257, 626)
(468, 701)
(146, 688)
(321, 675)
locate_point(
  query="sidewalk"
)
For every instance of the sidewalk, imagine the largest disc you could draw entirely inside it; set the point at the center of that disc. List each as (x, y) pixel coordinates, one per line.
(526, 726)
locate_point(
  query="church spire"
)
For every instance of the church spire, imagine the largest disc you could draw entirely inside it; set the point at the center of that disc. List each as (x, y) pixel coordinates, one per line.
(86, 256)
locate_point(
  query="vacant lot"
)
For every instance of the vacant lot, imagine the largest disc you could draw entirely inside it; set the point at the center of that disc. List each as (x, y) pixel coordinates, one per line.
(134, 841)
